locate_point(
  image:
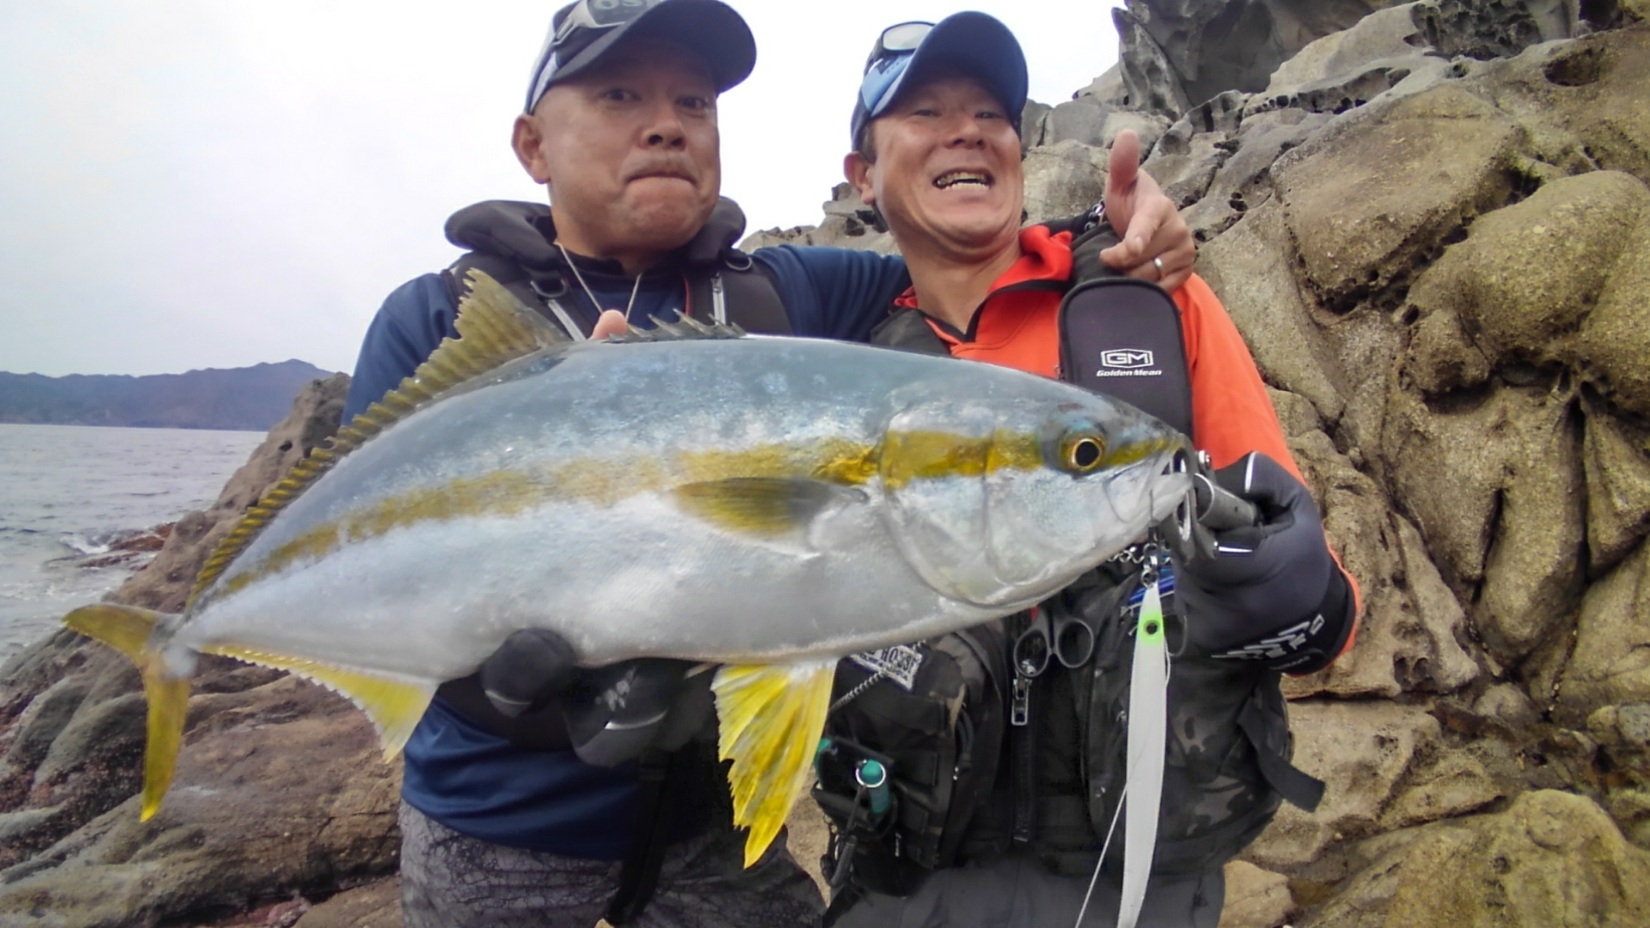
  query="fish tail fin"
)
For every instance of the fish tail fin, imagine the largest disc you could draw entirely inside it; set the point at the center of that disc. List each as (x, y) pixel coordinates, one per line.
(128, 629)
(168, 707)
(124, 628)
(771, 719)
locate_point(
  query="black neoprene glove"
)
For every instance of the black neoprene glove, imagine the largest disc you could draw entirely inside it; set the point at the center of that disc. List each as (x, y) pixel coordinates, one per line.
(611, 714)
(1271, 592)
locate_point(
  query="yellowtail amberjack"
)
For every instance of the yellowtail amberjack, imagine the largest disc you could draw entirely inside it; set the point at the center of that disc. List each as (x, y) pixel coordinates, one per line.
(764, 504)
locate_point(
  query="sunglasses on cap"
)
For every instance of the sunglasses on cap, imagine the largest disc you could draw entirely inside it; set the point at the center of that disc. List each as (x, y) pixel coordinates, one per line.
(889, 59)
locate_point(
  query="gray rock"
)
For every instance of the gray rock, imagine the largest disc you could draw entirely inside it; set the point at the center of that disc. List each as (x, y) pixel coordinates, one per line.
(1206, 47)
(1063, 180)
(1363, 752)
(1610, 665)
(1550, 859)
(1034, 124)
(1151, 79)
(1108, 89)
(1080, 120)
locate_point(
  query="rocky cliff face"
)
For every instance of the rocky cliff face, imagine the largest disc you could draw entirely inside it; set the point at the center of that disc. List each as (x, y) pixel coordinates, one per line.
(1432, 224)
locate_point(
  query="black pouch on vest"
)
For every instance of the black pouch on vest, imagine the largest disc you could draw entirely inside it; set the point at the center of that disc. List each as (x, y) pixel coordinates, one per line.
(1122, 337)
(934, 711)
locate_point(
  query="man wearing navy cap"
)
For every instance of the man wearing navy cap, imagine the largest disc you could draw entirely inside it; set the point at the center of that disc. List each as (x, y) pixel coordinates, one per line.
(936, 151)
(535, 793)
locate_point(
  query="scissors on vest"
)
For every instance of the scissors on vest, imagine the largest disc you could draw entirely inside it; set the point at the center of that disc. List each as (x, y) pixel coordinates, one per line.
(1066, 638)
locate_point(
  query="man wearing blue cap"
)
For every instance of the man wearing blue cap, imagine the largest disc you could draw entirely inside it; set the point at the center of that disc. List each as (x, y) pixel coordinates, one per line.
(992, 801)
(535, 793)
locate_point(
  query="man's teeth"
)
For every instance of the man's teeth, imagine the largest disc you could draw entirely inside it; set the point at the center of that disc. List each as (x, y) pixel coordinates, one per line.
(961, 177)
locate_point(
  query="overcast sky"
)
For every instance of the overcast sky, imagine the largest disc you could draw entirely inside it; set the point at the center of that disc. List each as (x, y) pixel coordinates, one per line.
(214, 183)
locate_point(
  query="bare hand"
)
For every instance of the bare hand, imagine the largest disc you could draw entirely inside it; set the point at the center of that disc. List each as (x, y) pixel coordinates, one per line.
(1147, 220)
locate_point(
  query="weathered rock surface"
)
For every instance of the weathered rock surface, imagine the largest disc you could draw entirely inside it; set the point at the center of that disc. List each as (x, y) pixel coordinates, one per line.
(1431, 221)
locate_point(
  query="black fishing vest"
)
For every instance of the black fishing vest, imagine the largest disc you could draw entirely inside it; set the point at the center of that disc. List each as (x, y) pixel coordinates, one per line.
(1060, 739)
(512, 242)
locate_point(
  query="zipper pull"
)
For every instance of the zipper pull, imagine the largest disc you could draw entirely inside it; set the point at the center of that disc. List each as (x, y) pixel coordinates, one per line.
(1019, 705)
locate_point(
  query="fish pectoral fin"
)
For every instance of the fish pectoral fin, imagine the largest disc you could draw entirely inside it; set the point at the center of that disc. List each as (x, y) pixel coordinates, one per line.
(771, 717)
(762, 505)
(394, 705)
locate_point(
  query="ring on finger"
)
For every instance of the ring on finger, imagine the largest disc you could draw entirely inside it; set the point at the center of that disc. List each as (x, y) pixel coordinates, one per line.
(1158, 263)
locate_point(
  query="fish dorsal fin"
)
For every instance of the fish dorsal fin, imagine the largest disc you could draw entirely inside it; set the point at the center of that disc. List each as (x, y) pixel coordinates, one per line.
(494, 328)
(685, 328)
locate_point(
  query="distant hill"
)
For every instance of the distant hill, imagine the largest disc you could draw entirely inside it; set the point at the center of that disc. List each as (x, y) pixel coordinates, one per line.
(246, 398)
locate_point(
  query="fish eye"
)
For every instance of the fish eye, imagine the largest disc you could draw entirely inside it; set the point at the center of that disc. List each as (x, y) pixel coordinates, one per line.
(1081, 452)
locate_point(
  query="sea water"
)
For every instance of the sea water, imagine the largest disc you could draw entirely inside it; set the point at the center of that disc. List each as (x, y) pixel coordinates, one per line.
(68, 494)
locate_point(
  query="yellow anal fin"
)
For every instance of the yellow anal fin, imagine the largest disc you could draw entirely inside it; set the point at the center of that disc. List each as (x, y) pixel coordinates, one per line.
(124, 628)
(760, 505)
(395, 706)
(771, 719)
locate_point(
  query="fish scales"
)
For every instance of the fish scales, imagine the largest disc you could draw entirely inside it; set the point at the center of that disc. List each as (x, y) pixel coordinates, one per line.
(737, 501)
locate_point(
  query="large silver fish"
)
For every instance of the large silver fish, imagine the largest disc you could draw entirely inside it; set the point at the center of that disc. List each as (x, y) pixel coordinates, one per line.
(764, 504)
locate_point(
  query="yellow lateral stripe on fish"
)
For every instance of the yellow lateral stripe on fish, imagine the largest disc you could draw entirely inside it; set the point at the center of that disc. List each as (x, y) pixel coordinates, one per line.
(771, 717)
(929, 455)
(506, 492)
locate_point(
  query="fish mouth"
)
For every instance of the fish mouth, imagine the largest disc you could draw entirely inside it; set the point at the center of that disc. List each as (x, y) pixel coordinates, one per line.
(965, 178)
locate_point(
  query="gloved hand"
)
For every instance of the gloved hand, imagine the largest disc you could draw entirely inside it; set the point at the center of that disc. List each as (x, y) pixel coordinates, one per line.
(530, 667)
(614, 713)
(1271, 592)
(611, 714)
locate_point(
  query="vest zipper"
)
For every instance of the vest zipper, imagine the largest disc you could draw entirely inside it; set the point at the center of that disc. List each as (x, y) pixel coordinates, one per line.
(718, 299)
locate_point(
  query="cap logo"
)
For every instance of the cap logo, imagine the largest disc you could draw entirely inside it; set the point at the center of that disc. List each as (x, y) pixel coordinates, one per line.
(608, 12)
(600, 14)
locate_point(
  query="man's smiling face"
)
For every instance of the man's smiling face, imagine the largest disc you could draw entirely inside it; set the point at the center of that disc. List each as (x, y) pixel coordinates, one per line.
(947, 174)
(630, 150)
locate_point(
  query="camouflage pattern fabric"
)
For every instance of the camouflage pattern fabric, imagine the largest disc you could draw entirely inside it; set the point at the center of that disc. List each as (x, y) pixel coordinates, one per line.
(450, 879)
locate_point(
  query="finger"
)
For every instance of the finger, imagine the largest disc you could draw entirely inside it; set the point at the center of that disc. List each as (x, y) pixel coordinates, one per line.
(1135, 248)
(1178, 264)
(1122, 171)
(610, 324)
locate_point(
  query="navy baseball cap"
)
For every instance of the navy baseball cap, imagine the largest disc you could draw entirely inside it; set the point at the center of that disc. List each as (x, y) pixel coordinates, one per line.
(583, 31)
(907, 54)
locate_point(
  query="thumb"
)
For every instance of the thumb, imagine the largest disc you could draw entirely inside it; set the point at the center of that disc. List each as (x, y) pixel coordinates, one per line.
(610, 324)
(1122, 169)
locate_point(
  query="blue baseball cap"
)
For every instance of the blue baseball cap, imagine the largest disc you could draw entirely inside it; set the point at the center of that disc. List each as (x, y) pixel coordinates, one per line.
(582, 31)
(969, 43)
